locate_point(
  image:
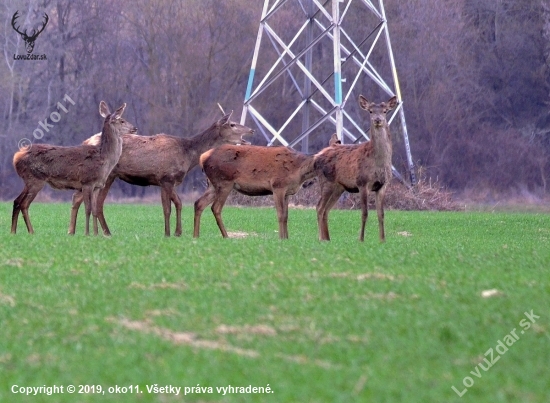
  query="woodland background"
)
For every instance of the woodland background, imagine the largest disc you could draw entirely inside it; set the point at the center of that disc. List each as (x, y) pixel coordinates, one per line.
(474, 75)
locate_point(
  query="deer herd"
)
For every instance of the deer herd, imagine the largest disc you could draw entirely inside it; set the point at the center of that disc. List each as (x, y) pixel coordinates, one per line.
(227, 159)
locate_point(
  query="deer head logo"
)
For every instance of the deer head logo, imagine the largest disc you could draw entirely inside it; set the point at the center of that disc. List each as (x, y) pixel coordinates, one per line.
(29, 38)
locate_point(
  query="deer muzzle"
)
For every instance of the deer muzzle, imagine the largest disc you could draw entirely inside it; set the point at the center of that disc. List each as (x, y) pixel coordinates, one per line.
(246, 142)
(378, 122)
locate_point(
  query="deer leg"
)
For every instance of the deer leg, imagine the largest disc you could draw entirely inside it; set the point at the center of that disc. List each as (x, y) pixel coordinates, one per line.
(77, 201)
(17, 209)
(101, 196)
(380, 211)
(281, 204)
(87, 196)
(364, 195)
(95, 193)
(165, 196)
(177, 203)
(201, 203)
(22, 203)
(33, 192)
(217, 206)
(329, 197)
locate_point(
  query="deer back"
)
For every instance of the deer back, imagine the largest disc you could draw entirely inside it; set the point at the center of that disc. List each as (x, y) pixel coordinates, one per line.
(255, 167)
(149, 160)
(60, 167)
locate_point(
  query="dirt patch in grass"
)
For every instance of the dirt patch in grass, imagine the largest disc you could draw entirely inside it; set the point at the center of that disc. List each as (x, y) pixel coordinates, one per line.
(191, 339)
(384, 296)
(375, 276)
(365, 276)
(15, 262)
(181, 338)
(263, 330)
(360, 384)
(157, 286)
(491, 293)
(7, 300)
(240, 234)
(162, 312)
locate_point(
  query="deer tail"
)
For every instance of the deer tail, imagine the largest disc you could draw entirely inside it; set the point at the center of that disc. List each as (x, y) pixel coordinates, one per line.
(95, 140)
(18, 156)
(204, 156)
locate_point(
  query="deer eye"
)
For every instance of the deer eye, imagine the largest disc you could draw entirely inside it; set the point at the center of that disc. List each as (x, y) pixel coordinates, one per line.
(232, 125)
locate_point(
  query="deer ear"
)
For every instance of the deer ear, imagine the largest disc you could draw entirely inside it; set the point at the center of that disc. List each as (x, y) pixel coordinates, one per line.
(118, 113)
(363, 103)
(225, 119)
(104, 109)
(334, 140)
(392, 103)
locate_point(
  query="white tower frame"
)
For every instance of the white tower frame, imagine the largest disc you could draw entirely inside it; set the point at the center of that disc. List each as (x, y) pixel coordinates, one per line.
(328, 16)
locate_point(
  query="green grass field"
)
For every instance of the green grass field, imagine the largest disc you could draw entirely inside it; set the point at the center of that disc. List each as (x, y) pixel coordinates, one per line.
(339, 321)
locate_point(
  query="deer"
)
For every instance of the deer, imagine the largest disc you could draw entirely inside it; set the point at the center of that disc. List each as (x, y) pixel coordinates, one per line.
(29, 39)
(84, 167)
(357, 168)
(162, 160)
(252, 171)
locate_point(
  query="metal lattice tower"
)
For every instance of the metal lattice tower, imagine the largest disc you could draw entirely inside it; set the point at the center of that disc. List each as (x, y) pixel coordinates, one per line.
(320, 55)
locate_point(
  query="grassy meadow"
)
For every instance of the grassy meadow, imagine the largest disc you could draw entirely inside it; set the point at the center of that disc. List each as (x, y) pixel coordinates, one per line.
(300, 320)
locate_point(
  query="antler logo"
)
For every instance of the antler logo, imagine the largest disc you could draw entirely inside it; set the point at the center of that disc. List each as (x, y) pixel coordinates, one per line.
(29, 38)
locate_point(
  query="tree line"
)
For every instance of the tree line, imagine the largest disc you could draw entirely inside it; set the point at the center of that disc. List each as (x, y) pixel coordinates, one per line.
(474, 75)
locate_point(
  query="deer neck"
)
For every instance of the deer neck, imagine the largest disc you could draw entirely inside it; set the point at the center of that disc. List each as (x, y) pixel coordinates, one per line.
(307, 168)
(381, 141)
(110, 144)
(200, 143)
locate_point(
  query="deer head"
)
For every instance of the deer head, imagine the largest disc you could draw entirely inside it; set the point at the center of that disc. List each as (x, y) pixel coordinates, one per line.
(29, 39)
(378, 111)
(115, 120)
(232, 132)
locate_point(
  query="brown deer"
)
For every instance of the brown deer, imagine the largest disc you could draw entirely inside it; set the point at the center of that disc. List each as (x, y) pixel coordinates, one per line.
(253, 171)
(357, 168)
(162, 160)
(84, 167)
